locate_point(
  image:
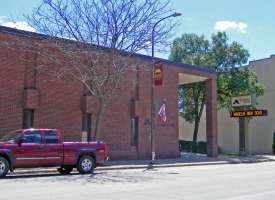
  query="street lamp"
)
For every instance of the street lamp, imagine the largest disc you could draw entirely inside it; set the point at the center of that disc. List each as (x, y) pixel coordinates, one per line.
(152, 91)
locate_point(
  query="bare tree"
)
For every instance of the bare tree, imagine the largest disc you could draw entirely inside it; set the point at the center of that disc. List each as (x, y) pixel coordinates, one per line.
(92, 40)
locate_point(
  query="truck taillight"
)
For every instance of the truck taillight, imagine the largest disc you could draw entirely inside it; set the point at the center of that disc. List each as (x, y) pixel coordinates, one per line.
(105, 149)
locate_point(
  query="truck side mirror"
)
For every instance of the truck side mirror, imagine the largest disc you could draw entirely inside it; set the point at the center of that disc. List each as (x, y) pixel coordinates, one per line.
(22, 140)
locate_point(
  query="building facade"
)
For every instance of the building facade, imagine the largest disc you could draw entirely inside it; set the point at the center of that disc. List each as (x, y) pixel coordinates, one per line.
(30, 96)
(260, 129)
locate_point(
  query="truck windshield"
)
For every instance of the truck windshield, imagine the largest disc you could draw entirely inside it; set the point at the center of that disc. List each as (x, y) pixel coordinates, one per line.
(11, 137)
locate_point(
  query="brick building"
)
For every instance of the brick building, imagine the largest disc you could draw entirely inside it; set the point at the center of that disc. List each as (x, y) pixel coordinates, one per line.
(32, 98)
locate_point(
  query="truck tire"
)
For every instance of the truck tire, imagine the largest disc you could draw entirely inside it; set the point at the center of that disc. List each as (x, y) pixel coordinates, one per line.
(86, 165)
(65, 170)
(4, 167)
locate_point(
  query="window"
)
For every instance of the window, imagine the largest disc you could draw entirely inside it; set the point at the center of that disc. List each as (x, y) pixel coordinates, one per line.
(11, 137)
(50, 137)
(33, 137)
(86, 128)
(28, 116)
(134, 131)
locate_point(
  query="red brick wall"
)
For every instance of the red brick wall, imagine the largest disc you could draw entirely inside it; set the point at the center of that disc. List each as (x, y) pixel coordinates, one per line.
(59, 104)
(11, 89)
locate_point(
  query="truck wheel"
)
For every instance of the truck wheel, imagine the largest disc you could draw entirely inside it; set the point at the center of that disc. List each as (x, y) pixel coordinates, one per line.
(65, 170)
(86, 165)
(4, 167)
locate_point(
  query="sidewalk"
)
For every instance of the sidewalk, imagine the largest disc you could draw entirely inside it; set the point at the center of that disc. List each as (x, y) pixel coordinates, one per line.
(187, 159)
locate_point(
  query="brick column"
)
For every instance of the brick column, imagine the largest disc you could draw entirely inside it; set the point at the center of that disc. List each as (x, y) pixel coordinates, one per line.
(31, 99)
(211, 118)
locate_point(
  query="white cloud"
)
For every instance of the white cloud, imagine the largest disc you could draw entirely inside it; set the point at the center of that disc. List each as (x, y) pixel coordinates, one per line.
(19, 25)
(223, 25)
(242, 26)
(2, 18)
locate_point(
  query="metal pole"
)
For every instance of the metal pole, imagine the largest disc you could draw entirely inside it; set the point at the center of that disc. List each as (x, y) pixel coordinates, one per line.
(152, 102)
(243, 133)
(152, 92)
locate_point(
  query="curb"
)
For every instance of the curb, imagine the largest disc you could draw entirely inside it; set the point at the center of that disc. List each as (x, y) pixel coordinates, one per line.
(149, 166)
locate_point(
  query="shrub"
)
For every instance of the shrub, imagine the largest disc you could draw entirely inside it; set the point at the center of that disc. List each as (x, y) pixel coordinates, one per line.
(202, 147)
(196, 147)
(185, 145)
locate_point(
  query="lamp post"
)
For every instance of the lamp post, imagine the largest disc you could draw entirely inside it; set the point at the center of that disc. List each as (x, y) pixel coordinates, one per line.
(152, 91)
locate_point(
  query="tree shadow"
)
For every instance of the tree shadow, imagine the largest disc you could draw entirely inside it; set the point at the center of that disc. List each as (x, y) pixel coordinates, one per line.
(121, 177)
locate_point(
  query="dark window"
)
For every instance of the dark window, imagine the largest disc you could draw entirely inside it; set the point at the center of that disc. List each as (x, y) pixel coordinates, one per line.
(50, 137)
(33, 137)
(86, 127)
(134, 131)
(28, 116)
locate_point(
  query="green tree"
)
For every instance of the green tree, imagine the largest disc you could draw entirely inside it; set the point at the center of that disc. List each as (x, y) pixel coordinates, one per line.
(220, 56)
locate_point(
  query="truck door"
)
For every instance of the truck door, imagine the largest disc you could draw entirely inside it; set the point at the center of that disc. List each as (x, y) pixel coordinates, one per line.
(30, 153)
(53, 148)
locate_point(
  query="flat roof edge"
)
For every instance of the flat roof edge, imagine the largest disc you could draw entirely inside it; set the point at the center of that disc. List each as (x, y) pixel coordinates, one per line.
(261, 59)
(188, 66)
(34, 35)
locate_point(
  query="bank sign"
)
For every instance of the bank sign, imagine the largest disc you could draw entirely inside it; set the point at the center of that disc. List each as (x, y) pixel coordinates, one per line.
(244, 100)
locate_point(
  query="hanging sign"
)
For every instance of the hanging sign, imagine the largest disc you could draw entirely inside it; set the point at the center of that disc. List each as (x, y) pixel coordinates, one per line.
(158, 72)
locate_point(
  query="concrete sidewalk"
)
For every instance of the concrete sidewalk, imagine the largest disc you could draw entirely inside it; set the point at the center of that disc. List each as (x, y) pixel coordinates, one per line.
(187, 159)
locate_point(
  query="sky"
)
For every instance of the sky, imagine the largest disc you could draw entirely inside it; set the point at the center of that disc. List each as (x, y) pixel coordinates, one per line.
(248, 22)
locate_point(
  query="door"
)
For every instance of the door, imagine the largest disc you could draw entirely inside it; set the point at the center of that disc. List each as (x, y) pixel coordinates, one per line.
(30, 153)
(53, 148)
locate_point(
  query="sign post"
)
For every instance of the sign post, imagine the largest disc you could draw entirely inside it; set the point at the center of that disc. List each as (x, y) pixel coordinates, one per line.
(243, 134)
(243, 103)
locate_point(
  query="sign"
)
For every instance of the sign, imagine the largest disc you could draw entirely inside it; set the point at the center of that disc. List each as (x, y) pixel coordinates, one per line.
(158, 72)
(249, 113)
(244, 100)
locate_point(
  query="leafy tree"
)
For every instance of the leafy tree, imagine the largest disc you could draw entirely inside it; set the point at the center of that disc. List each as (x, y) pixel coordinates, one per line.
(220, 56)
(92, 40)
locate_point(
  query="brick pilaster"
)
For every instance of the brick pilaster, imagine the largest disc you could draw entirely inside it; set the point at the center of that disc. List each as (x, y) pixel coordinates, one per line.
(211, 119)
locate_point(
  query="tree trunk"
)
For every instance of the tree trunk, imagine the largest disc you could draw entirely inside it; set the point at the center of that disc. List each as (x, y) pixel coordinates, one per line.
(99, 119)
(196, 129)
(197, 120)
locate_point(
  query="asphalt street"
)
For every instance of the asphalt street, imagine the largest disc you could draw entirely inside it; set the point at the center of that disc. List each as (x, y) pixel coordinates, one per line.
(227, 181)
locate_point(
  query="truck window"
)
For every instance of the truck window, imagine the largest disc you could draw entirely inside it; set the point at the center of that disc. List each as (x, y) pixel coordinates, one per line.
(11, 137)
(33, 137)
(50, 137)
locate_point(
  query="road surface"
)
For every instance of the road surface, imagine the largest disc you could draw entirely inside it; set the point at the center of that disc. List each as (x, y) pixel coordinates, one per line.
(232, 181)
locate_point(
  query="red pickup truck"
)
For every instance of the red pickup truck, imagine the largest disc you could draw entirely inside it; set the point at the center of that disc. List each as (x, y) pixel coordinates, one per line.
(44, 148)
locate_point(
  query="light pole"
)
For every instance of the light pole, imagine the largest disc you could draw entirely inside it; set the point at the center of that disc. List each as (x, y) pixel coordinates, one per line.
(152, 91)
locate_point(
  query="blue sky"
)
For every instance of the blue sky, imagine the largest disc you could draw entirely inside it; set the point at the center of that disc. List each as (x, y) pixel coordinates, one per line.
(249, 22)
